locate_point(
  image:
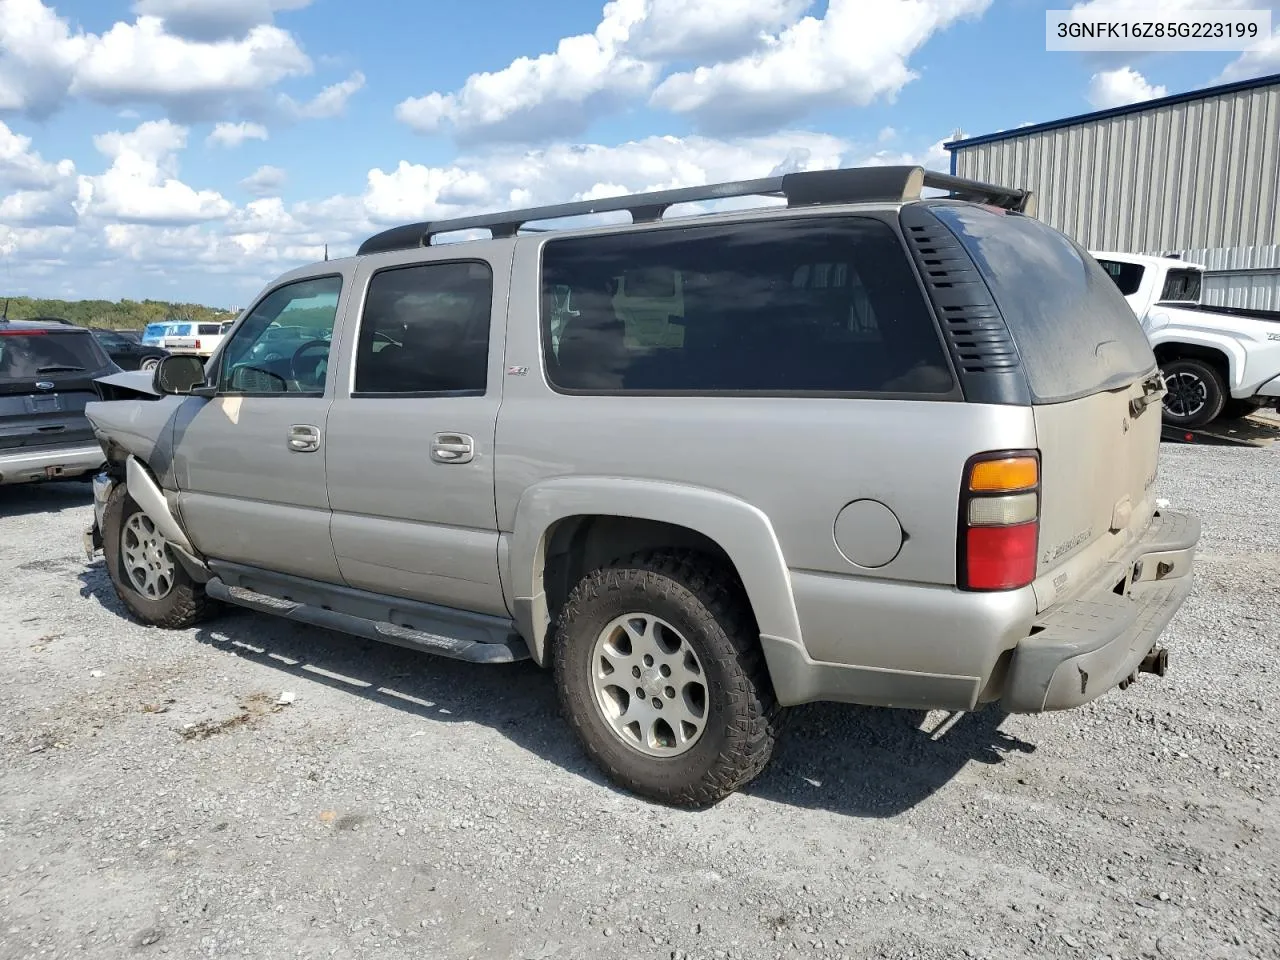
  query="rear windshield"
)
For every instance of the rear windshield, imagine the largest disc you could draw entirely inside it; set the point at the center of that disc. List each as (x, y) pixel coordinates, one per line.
(1181, 284)
(1075, 332)
(814, 306)
(26, 356)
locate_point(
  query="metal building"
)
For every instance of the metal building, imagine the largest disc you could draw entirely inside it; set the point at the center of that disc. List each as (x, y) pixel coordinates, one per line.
(1195, 175)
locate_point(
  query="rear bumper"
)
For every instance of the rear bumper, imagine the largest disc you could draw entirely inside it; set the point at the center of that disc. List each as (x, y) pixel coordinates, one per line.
(1089, 645)
(49, 463)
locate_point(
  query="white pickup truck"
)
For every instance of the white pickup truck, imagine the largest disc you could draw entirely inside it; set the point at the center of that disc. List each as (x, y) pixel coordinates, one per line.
(1216, 361)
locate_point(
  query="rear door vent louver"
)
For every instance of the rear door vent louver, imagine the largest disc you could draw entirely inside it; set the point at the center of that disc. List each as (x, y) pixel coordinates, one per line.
(972, 324)
(976, 333)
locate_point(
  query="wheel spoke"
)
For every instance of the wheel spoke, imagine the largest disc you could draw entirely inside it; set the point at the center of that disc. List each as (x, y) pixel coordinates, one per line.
(148, 562)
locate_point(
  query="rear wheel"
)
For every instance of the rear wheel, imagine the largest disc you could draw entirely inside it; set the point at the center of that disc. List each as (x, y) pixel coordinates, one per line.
(143, 569)
(150, 363)
(660, 673)
(1196, 392)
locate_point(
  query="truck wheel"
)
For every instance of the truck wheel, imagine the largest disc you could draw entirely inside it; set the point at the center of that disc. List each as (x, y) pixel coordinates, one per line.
(1196, 392)
(147, 577)
(660, 673)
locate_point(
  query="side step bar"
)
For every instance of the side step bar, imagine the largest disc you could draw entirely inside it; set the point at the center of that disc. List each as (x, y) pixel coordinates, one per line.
(472, 651)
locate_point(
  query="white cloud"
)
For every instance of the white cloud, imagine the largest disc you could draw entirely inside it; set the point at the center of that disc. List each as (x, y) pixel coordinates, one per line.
(1260, 62)
(1115, 88)
(329, 102)
(555, 94)
(763, 67)
(855, 54)
(264, 181)
(42, 62)
(208, 20)
(38, 57)
(140, 62)
(21, 167)
(231, 135)
(709, 30)
(141, 185)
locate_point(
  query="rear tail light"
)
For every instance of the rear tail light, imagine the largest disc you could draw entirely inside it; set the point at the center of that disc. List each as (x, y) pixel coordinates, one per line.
(999, 521)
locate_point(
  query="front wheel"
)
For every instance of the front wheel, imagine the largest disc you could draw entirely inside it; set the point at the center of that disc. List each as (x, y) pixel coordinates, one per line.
(146, 575)
(1196, 392)
(660, 673)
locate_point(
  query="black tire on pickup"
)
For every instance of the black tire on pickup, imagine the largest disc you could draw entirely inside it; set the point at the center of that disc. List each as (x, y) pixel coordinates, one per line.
(183, 604)
(683, 611)
(1197, 392)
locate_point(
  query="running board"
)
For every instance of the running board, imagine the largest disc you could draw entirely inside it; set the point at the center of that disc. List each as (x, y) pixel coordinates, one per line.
(472, 651)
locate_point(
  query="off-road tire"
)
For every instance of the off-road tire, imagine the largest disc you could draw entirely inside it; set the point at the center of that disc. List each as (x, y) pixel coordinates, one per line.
(1215, 391)
(183, 606)
(708, 606)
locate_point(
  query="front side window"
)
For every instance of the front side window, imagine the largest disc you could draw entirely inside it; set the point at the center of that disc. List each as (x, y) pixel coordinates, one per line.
(283, 345)
(815, 305)
(425, 330)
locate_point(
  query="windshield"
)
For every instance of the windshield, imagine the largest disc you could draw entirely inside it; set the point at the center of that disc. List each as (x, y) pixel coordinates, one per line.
(28, 355)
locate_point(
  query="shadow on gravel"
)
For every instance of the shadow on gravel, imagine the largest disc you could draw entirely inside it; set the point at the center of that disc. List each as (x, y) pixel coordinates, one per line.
(23, 499)
(857, 761)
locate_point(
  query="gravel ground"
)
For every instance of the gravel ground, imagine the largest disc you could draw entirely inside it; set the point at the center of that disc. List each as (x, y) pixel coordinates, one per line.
(156, 798)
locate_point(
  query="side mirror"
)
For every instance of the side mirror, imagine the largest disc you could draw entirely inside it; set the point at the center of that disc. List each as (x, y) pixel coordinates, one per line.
(250, 379)
(179, 374)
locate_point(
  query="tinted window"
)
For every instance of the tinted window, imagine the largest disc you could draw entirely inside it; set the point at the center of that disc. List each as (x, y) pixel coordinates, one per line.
(113, 341)
(1181, 285)
(426, 330)
(258, 360)
(25, 356)
(210, 329)
(1127, 276)
(820, 305)
(1073, 328)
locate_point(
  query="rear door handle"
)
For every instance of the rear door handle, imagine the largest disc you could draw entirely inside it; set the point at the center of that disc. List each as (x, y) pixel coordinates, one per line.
(304, 438)
(452, 448)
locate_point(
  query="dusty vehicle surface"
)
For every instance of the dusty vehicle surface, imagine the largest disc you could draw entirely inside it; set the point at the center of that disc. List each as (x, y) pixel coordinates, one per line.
(1217, 361)
(865, 447)
(47, 373)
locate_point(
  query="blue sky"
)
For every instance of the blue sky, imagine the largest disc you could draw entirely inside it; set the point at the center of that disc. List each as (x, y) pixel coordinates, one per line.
(193, 149)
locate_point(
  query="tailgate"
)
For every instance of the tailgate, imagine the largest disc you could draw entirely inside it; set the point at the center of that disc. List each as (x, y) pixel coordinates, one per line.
(41, 419)
(1098, 473)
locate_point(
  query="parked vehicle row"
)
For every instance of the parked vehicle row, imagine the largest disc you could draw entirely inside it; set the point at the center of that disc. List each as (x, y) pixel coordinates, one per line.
(186, 337)
(867, 447)
(1217, 361)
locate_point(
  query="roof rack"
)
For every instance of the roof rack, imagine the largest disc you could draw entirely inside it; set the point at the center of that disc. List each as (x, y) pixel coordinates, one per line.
(847, 185)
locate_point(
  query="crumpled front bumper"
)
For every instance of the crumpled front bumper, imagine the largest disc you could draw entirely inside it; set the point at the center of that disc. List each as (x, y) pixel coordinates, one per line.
(103, 484)
(1097, 641)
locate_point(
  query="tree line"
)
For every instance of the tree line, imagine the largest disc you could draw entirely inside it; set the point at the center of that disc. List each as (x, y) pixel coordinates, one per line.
(113, 315)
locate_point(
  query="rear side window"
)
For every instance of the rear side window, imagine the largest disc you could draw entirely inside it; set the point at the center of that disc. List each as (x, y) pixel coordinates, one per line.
(210, 329)
(425, 330)
(1127, 276)
(1181, 285)
(25, 356)
(1075, 332)
(809, 306)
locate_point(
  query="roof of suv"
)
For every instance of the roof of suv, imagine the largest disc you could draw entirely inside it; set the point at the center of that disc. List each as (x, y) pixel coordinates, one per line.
(39, 323)
(817, 188)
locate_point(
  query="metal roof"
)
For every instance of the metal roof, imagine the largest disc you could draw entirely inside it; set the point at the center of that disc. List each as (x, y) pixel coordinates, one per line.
(1083, 118)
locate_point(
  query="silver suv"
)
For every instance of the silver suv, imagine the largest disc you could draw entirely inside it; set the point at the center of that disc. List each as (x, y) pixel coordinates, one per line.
(864, 447)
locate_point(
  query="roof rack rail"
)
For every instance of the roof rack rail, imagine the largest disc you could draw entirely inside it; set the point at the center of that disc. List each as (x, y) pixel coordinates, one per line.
(845, 185)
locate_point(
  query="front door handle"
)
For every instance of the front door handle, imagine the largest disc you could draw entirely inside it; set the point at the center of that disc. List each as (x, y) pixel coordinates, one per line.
(304, 438)
(452, 448)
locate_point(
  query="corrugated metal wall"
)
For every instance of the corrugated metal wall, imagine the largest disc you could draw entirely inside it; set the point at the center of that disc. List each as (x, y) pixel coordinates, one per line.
(1200, 174)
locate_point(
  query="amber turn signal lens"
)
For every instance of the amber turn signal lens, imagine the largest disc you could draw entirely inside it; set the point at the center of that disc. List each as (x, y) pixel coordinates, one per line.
(1003, 476)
